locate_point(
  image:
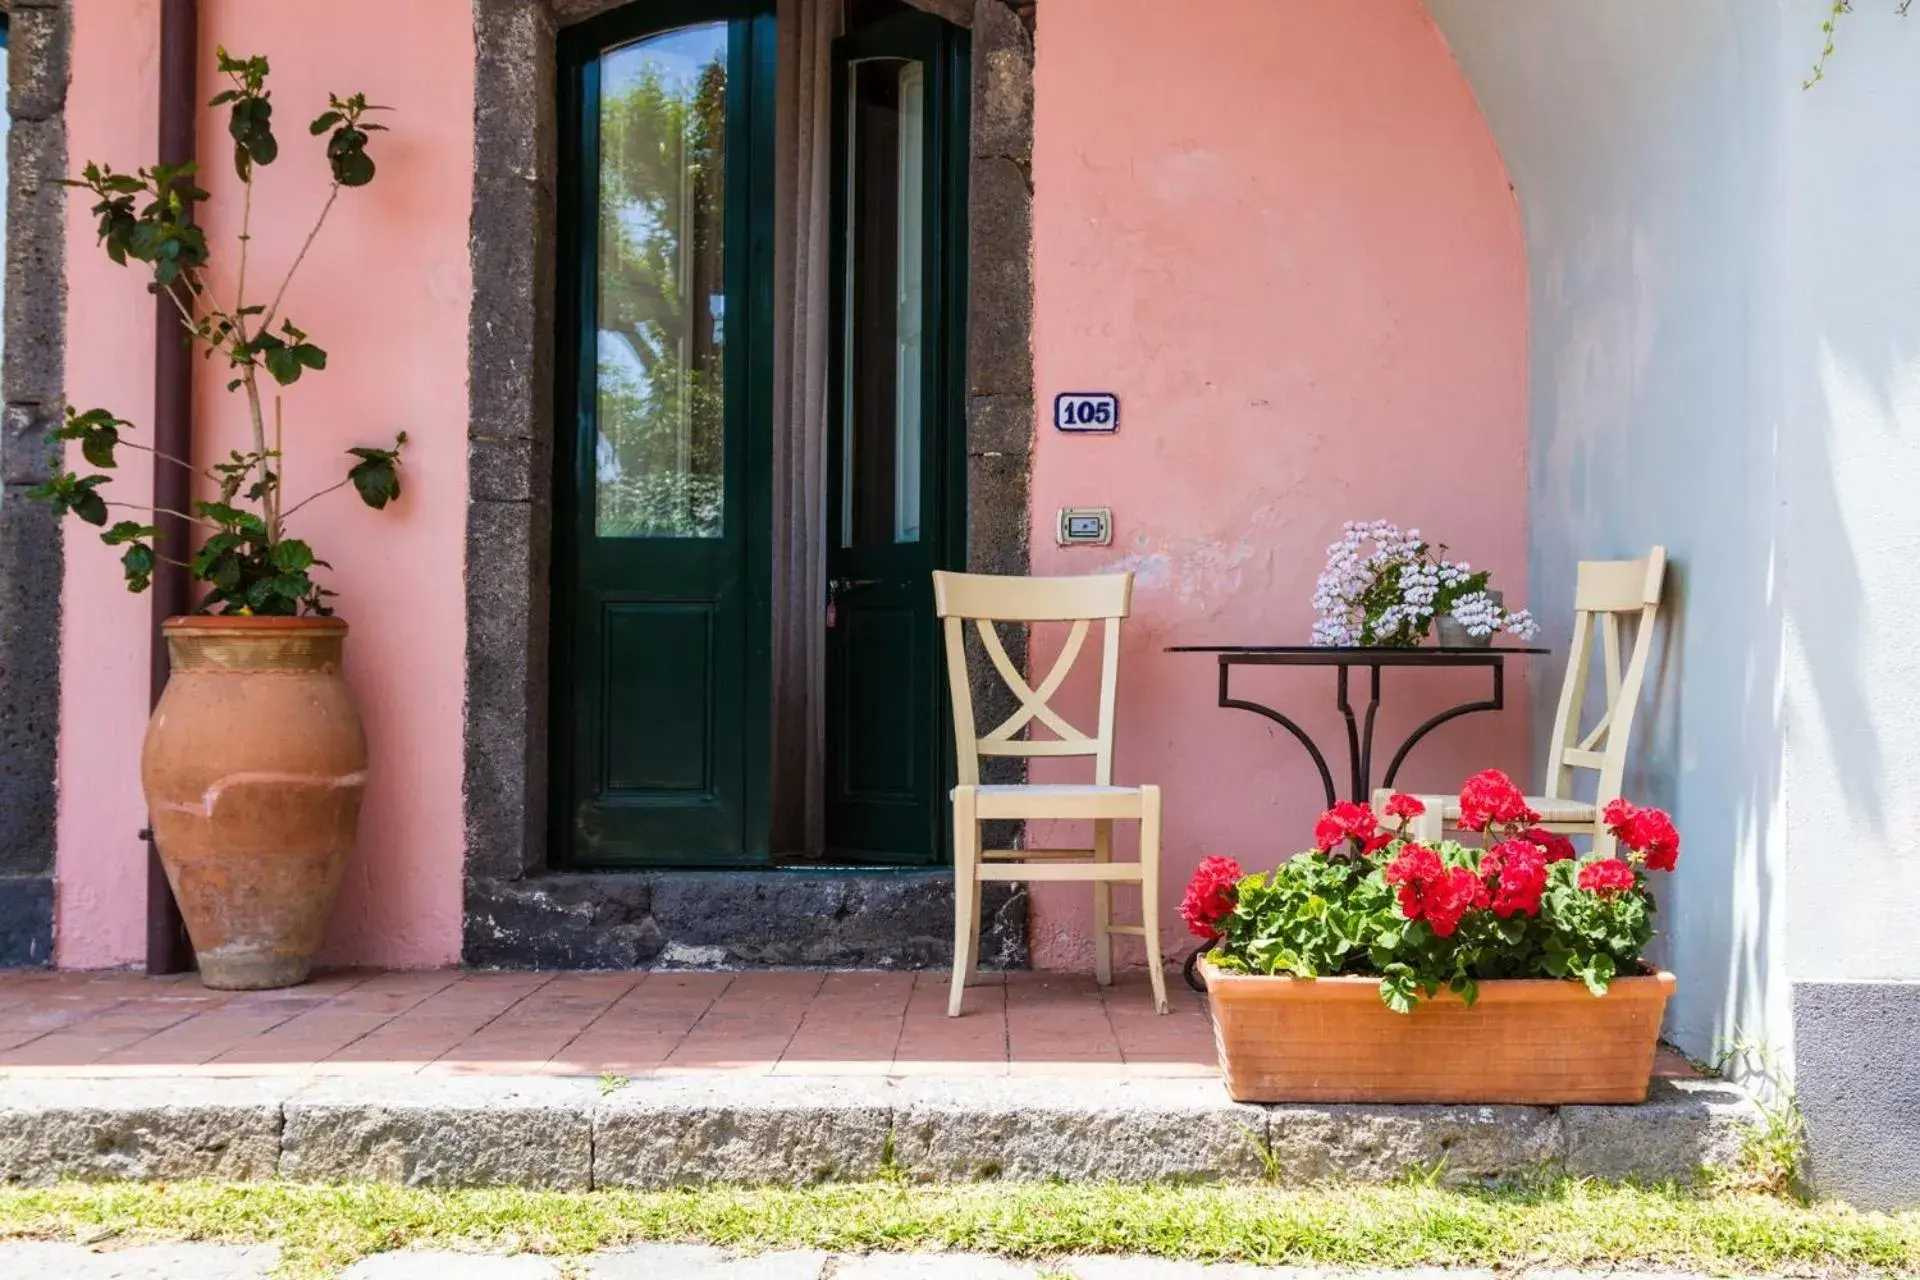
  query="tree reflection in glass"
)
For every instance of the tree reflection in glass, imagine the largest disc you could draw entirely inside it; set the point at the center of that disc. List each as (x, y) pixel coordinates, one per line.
(659, 461)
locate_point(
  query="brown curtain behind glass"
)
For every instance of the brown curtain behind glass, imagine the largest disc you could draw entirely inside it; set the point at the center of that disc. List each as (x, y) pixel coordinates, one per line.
(803, 210)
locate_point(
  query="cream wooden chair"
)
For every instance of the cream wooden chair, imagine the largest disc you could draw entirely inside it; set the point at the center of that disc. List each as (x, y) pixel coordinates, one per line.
(1604, 592)
(988, 601)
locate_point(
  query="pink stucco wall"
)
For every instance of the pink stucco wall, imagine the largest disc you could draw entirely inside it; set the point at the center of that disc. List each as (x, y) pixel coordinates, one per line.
(100, 866)
(1282, 232)
(386, 292)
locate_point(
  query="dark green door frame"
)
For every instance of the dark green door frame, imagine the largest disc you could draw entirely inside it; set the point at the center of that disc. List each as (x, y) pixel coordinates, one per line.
(889, 744)
(677, 626)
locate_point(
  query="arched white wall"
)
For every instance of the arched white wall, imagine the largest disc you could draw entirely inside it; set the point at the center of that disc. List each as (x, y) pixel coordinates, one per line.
(1726, 359)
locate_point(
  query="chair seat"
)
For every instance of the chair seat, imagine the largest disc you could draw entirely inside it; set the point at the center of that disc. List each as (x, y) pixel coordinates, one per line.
(1550, 810)
(1553, 812)
(1057, 788)
(1058, 800)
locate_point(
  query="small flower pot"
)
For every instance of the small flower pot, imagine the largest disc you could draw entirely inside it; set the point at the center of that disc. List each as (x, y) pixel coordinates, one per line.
(253, 768)
(1535, 1041)
(1452, 634)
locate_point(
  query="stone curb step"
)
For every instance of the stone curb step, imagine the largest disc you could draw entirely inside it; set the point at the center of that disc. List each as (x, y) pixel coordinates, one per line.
(572, 1134)
(683, 1262)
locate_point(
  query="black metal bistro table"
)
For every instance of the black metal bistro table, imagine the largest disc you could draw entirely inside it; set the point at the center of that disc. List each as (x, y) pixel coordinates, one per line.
(1491, 658)
(1343, 659)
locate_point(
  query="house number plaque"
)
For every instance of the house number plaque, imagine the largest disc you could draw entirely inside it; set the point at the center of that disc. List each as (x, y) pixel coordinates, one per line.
(1086, 411)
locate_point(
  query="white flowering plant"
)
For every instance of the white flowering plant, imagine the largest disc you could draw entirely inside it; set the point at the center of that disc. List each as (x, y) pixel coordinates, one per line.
(1384, 586)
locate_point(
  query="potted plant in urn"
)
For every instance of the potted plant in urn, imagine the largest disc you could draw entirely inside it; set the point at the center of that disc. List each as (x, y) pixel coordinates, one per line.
(255, 760)
(1376, 968)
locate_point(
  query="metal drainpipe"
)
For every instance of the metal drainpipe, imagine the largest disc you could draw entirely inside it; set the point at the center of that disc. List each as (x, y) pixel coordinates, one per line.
(168, 950)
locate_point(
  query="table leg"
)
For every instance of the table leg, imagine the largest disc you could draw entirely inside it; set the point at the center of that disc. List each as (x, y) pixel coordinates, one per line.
(1191, 969)
(1359, 740)
(1319, 761)
(1497, 702)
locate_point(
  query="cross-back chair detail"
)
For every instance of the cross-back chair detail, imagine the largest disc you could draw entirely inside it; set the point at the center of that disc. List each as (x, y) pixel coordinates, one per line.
(988, 601)
(1606, 592)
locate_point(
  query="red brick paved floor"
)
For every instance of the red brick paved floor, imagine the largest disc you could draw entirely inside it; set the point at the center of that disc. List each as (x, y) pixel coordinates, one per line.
(629, 1024)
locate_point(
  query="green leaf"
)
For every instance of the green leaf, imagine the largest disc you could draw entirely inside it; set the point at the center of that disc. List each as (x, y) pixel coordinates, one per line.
(97, 431)
(325, 122)
(128, 531)
(222, 514)
(309, 355)
(138, 564)
(377, 482)
(91, 507)
(1398, 993)
(377, 475)
(290, 555)
(353, 168)
(282, 365)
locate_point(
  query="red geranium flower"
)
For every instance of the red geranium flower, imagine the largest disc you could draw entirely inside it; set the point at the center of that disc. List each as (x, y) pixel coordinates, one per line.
(1556, 846)
(1649, 832)
(1610, 875)
(1432, 891)
(1619, 816)
(1449, 897)
(1414, 868)
(1518, 869)
(1491, 800)
(1346, 821)
(1661, 843)
(1404, 808)
(1211, 895)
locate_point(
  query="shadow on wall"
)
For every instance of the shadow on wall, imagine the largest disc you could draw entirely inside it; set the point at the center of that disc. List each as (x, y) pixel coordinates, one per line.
(1653, 195)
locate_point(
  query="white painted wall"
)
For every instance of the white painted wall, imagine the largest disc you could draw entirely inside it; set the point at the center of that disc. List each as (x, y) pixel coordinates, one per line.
(1726, 360)
(1850, 506)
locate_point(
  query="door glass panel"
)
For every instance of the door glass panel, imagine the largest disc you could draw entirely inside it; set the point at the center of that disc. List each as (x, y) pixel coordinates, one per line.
(660, 332)
(886, 280)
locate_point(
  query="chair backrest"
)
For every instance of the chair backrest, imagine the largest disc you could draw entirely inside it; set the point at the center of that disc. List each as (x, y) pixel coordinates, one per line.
(1604, 592)
(986, 601)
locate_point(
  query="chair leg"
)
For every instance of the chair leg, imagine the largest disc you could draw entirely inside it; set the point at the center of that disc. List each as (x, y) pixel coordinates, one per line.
(1150, 891)
(966, 894)
(1429, 827)
(973, 934)
(1103, 905)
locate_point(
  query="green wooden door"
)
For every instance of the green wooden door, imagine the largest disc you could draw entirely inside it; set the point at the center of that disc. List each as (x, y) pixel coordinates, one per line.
(661, 639)
(895, 427)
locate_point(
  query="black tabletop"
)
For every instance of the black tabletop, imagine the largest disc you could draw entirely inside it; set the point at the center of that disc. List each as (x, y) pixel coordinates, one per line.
(1338, 652)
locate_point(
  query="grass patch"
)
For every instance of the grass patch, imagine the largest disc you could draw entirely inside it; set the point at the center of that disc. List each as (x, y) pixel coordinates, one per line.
(1561, 1222)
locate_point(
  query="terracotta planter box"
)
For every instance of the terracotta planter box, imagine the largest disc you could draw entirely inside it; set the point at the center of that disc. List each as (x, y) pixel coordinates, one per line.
(1525, 1040)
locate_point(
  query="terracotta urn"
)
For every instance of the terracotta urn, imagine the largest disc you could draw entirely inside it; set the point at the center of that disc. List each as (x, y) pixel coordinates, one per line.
(1525, 1040)
(254, 766)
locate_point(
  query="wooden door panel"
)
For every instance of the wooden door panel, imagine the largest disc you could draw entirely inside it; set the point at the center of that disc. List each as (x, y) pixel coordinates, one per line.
(658, 674)
(881, 750)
